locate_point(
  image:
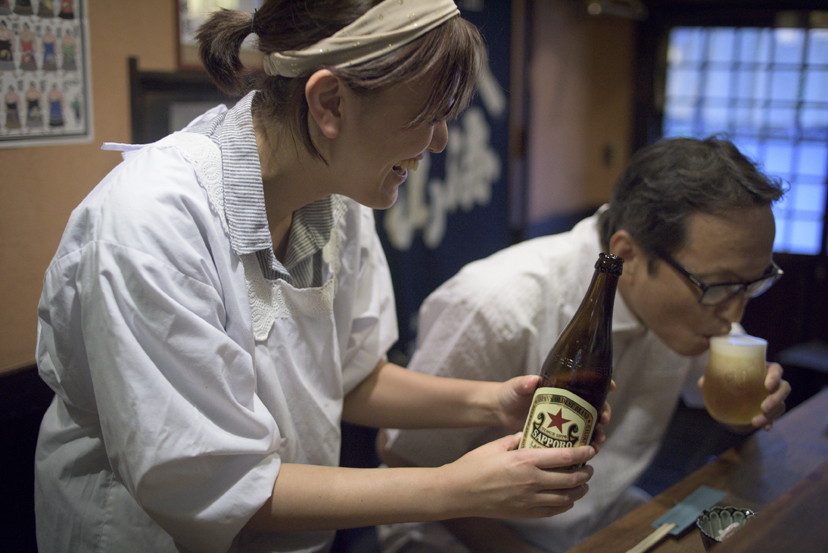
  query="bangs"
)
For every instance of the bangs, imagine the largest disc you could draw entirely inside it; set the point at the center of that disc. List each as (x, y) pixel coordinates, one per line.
(452, 57)
(449, 58)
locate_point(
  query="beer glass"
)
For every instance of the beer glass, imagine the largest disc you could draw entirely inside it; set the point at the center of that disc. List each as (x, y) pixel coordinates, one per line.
(734, 380)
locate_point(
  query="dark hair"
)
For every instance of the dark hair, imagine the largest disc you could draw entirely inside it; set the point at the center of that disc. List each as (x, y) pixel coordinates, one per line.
(673, 178)
(451, 55)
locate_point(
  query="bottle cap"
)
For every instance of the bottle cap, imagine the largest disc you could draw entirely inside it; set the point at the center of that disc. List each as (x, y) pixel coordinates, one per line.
(609, 263)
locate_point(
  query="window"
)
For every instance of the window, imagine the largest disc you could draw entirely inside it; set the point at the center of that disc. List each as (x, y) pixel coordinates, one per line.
(766, 88)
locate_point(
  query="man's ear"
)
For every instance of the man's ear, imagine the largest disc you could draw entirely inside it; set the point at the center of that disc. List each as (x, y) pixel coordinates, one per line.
(624, 245)
(324, 93)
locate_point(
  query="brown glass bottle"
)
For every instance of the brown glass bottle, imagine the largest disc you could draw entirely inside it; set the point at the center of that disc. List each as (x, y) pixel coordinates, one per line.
(576, 375)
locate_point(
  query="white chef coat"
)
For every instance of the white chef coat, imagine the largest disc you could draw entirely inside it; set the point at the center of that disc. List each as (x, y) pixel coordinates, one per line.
(496, 319)
(183, 377)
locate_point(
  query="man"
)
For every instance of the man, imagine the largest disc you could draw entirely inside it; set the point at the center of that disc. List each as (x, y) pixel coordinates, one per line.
(692, 220)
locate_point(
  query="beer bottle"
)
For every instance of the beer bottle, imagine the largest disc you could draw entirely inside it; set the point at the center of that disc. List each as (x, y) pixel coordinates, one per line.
(576, 376)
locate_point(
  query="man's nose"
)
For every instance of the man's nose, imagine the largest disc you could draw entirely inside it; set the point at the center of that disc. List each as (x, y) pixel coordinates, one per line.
(733, 308)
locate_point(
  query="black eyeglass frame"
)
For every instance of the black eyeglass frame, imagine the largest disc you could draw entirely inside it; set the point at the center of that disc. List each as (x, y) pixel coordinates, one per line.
(736, 287)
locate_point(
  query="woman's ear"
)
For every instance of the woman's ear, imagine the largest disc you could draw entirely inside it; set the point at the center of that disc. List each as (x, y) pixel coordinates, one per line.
(324, 93)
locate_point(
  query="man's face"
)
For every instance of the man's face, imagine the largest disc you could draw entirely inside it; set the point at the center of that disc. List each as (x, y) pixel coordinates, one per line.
(731, 246)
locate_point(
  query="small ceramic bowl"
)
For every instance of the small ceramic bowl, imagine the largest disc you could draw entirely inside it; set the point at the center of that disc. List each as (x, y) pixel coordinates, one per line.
(718, 523)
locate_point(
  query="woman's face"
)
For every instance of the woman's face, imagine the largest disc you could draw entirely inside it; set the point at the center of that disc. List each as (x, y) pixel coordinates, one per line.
(377, 148)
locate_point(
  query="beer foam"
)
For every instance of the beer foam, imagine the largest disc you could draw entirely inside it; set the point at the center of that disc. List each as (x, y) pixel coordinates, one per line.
(738, 345)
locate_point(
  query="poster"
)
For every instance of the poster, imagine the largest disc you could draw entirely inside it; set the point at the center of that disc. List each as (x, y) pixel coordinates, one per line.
(44, 73)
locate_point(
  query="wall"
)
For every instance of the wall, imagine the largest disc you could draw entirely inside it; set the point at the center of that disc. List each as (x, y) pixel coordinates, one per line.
(42, 185)
(580, 81)
(581, 107)
(578, 136)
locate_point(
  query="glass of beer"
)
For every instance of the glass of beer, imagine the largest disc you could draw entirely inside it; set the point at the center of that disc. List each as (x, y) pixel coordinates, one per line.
(734, 380)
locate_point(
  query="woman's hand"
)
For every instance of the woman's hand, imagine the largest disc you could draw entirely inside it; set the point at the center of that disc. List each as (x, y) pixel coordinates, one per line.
(515, 397)
(497, 480)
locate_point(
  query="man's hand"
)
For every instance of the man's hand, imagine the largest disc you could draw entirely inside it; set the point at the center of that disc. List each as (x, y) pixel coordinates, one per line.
(773, 406)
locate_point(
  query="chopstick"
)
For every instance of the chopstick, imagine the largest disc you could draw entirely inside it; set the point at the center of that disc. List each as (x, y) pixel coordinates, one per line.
(652, 539)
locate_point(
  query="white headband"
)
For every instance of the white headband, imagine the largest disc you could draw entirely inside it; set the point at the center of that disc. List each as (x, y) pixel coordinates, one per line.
(385, 27)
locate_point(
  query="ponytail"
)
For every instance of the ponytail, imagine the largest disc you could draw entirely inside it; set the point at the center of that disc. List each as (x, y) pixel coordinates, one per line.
(220, 39)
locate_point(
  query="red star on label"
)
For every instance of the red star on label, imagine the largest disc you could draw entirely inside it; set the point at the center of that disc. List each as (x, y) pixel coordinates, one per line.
(557, 420)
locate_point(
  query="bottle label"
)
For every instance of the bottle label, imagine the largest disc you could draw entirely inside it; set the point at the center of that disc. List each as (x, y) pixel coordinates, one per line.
(558, 418)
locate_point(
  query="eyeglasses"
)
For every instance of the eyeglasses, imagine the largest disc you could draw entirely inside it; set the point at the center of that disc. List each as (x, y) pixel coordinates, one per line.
(714, 294)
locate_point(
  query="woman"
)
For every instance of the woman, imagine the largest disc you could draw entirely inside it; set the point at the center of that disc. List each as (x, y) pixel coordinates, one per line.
(221, 302)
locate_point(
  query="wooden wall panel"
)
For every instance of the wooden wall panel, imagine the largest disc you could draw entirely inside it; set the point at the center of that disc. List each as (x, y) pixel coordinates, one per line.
(41, 185)
(581, 106)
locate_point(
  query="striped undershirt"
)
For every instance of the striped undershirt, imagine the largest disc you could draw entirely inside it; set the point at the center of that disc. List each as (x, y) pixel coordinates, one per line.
(244, 204)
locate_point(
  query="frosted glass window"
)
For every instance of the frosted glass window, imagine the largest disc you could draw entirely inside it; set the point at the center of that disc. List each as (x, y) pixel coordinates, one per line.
(760, 84)
(746, 83)
(778, 157)
(812, 160)
(788, 47)
(816, 83)
(686, 45)
(680, 112)
(808, 198)
(781, 118)
(683, 82)
(817, 46)
(761, 47)
(718, 83)
(767, 90)
(750, 148)
(714, 115)
(815, 122)
(721, 45)
(785, 85)
(751, 42)
(804, 237)
(743, 117)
